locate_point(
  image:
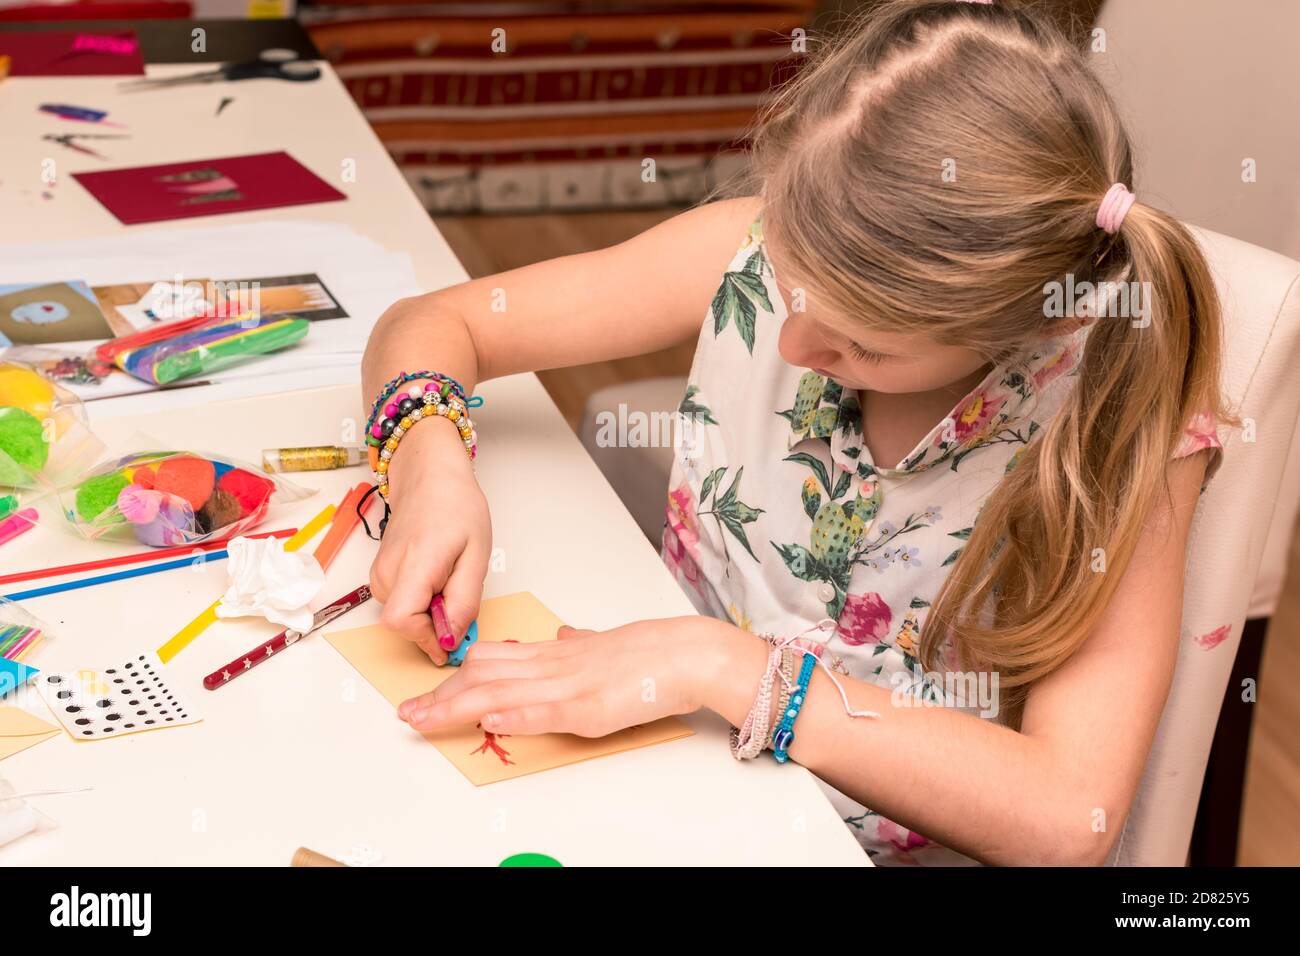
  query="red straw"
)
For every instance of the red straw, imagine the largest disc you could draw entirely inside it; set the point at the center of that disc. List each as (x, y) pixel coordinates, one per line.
(109, 351)
(149, 555)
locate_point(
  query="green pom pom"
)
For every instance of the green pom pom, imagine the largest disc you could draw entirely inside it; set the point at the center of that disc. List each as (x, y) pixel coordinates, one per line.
(96, 495)
(22, 439)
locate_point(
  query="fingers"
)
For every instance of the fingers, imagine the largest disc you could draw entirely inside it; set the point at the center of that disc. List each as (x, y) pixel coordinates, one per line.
(485, 672)
(423, 702)
(407, 612)
(549, 718)
(463, 591)
(495, 697)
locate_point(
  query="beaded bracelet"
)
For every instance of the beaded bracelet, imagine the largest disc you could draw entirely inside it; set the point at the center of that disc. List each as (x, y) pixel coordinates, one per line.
(784, 735)
(390, 389)
(397, 405)
(432, 404)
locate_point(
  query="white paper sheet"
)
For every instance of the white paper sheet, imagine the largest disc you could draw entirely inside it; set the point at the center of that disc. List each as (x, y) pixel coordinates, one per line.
(364, 277)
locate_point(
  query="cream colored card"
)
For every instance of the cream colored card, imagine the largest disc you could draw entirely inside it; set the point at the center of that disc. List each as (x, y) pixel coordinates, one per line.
(399, 670)
(20, 730)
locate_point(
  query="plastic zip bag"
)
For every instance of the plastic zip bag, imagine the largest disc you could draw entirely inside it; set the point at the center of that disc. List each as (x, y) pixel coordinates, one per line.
(170, 498)
(44, 438)
(211, 346)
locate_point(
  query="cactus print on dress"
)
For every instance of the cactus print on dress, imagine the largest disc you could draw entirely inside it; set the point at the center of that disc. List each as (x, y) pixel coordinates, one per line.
(778, 517)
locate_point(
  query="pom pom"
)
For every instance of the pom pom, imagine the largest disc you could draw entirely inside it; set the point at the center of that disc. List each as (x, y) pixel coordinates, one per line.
(221, 510)
(138, 505)
(22, 388)
(22, 438)
(173, 523)
(97, 495)
(188, 477)
(250, 490)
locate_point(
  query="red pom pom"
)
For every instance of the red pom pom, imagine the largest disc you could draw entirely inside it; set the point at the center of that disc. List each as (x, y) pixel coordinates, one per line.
(250, 490)
(186, 476)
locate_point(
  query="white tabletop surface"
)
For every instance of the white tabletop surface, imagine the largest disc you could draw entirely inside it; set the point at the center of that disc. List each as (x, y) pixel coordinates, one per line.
(303, 752)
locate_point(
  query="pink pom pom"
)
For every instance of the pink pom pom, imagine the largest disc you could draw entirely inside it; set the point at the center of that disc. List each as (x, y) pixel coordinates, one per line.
(138, 505)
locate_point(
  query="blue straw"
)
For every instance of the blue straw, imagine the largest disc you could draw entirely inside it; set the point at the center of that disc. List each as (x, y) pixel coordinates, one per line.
(115, 576)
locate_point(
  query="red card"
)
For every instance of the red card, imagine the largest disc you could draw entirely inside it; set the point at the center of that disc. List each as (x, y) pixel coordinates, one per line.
(72, 52)
(207, 187)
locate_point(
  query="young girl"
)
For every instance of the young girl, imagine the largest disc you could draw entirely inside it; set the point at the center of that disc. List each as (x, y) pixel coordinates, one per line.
(934, 524)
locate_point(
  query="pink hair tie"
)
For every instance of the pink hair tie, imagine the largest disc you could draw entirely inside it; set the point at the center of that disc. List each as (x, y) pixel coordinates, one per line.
(1114, 207)
(990, 2)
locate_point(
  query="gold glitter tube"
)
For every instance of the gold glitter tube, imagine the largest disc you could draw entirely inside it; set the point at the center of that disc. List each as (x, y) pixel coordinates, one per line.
(314, 458)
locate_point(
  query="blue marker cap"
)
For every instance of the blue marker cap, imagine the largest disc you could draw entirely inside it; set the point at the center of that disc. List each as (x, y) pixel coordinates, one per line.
(457, 657)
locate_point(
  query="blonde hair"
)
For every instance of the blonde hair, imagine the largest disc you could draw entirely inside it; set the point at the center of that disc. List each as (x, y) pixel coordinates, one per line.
(849, 160)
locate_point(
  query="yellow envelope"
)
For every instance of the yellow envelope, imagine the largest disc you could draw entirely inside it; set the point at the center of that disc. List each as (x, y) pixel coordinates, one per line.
(399, 670)
(20, 730)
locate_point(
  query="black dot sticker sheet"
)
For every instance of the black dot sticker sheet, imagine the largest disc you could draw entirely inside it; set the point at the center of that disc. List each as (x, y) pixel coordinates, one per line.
(126, 699)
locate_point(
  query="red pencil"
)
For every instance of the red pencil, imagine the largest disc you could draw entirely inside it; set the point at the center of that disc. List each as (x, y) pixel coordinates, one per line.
(269, 649)
(149, 555)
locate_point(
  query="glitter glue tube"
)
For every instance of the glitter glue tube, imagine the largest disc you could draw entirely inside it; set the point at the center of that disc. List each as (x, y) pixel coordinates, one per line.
(316, 458)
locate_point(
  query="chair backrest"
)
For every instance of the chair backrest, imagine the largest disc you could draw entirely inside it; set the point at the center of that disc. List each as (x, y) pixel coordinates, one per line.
(1260, 293)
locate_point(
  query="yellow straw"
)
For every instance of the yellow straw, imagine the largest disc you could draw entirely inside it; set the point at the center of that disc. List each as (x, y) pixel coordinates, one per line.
(209, 616)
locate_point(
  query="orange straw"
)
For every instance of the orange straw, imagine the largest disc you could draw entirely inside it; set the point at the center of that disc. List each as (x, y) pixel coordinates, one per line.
(346, 518)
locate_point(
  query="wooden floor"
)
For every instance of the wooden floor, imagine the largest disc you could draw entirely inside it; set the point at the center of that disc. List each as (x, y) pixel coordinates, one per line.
(1270, 832)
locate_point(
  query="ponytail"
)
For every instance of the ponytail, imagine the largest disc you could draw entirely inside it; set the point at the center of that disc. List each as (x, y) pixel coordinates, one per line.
(1054, 539)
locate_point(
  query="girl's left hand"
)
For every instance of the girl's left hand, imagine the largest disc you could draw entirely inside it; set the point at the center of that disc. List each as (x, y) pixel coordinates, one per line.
(589, 683)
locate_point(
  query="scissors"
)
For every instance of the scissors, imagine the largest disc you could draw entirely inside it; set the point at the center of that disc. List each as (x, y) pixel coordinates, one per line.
(273, 64)
(66, 139)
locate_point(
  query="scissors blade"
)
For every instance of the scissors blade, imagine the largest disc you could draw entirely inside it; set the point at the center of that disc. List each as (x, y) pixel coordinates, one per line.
(162, 82)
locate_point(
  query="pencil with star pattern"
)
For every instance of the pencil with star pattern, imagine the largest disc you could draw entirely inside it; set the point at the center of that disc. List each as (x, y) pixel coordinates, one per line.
(285, 639)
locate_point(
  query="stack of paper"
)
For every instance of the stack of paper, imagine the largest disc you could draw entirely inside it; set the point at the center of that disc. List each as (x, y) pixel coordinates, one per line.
(361, 275)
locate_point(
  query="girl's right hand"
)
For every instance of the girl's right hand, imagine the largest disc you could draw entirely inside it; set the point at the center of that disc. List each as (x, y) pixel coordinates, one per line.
(438, 539)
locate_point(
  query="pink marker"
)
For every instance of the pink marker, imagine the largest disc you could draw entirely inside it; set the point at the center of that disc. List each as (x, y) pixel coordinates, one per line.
(17, 524)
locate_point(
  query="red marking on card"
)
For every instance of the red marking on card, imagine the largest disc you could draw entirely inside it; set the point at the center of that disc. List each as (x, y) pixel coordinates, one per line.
(490, 743)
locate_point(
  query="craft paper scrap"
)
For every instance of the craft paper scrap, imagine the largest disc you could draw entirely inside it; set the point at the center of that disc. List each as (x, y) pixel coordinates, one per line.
(127, 699)
(208, 187)
(20, 730)
(39, 314)
(105, 52)
(399, 670)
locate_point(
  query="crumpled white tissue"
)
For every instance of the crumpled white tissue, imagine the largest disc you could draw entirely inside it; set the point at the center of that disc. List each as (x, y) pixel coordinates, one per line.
(268, 581)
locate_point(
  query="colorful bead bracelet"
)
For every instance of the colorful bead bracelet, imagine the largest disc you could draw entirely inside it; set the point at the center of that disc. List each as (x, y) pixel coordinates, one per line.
(419, 402)
(445, 383)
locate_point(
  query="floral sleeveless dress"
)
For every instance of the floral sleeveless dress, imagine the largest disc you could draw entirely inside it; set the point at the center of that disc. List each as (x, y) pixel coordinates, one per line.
(778, 518)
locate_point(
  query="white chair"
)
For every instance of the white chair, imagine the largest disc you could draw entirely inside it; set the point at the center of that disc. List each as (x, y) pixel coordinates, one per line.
(1260, 292)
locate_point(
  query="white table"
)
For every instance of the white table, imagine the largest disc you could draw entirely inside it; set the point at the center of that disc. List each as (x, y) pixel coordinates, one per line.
(303, 752)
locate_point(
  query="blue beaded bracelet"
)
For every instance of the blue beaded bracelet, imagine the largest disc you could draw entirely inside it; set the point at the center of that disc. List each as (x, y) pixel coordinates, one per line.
(784, 735)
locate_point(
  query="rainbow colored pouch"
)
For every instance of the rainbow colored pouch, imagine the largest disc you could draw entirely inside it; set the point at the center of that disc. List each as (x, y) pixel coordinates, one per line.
(223, 343)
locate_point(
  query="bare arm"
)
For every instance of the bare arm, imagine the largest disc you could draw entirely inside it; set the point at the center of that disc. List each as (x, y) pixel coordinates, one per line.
(1057, 791)
(641, 295)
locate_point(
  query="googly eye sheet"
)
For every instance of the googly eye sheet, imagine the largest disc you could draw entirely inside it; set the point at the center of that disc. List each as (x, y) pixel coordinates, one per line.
(125, 699)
